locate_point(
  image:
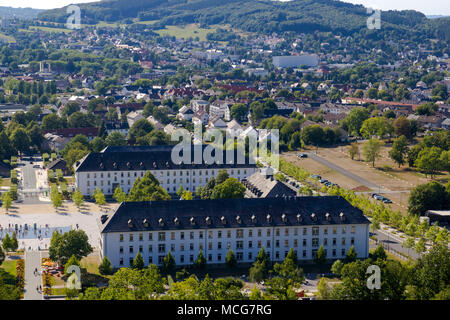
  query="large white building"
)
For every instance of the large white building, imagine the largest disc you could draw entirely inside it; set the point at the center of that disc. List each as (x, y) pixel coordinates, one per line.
(309, 60)
(120, 166)
(243, 225)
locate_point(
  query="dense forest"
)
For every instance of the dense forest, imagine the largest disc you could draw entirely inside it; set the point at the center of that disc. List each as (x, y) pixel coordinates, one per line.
(260, 16)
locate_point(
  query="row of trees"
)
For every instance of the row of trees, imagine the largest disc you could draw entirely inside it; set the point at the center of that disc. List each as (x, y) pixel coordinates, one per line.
(427, 278)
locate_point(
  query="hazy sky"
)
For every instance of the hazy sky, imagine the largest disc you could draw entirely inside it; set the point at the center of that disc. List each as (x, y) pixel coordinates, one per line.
(441, 7)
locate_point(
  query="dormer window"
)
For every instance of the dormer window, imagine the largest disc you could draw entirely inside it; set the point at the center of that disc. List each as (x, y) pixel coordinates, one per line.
(268, 218)
(327, 216)
(253, 218)
(238, 219)
(192, 220)
(299, 218)
(342, 216)
(130, 224)
(176, 221)
(283, 217)
(161, 222)
(223, 220)
(208, 220)
(145, 222)
(313, 217)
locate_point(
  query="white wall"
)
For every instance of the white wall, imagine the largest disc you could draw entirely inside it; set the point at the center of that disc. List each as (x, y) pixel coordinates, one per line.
(111, 244)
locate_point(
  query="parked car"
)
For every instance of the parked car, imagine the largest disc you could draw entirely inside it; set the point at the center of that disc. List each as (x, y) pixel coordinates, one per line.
(323, 181)
(302, 155)
(316, 176)
(386, 200)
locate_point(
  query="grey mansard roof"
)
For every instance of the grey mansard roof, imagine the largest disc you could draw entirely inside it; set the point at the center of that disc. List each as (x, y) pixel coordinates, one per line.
(129, 158)
(231, 213)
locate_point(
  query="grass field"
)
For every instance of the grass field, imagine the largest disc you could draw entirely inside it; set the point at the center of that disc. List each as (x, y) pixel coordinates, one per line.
(386, 173)
(5, 182)
(8, 39)
(46, 29)
(147, 22)
(190, 30)
(9, 266)
(91, 264)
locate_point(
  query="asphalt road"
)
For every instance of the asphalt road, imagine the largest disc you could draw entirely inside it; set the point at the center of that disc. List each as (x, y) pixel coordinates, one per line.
(347, 173)
(392, 242)
(29, 189)
(32, 281)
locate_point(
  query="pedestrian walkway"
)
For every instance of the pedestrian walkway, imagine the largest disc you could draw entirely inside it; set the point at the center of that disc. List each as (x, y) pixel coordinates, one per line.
(32, 279)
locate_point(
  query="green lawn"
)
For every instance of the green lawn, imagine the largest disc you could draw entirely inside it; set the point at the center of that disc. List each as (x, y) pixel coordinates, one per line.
(9, 266)
(48, 29)
(90, 264)
(190, 30)
(8, 39)
(147, 22)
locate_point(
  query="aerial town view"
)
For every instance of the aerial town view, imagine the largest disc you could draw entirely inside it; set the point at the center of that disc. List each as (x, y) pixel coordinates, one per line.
(248, 150)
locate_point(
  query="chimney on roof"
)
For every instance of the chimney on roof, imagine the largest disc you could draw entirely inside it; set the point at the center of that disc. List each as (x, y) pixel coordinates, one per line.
(103, 218)
(342, 216)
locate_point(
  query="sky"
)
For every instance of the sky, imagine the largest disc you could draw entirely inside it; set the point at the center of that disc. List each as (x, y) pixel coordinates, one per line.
(429, 7)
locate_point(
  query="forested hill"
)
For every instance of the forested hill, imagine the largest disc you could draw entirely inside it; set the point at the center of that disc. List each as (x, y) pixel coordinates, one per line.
(254, 15)
(18, 13)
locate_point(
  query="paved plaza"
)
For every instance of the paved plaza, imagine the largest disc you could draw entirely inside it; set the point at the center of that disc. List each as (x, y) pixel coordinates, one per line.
(34, 231)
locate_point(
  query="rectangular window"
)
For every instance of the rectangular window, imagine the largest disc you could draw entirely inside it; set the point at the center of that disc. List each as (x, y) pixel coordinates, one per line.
(141, 237)
(325, 230)
(121, 237)
(172, 235)
(353, 229)
(181, 235)
(315, 231)
(150, 248)
(239, 233)
(161, 236)
(131, 237)
(150, 236)
(305, 231)
(343, 241)
(315, 242)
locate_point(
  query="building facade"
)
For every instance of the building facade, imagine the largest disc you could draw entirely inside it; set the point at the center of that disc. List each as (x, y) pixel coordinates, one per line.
(243, 225)
(121, 166)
